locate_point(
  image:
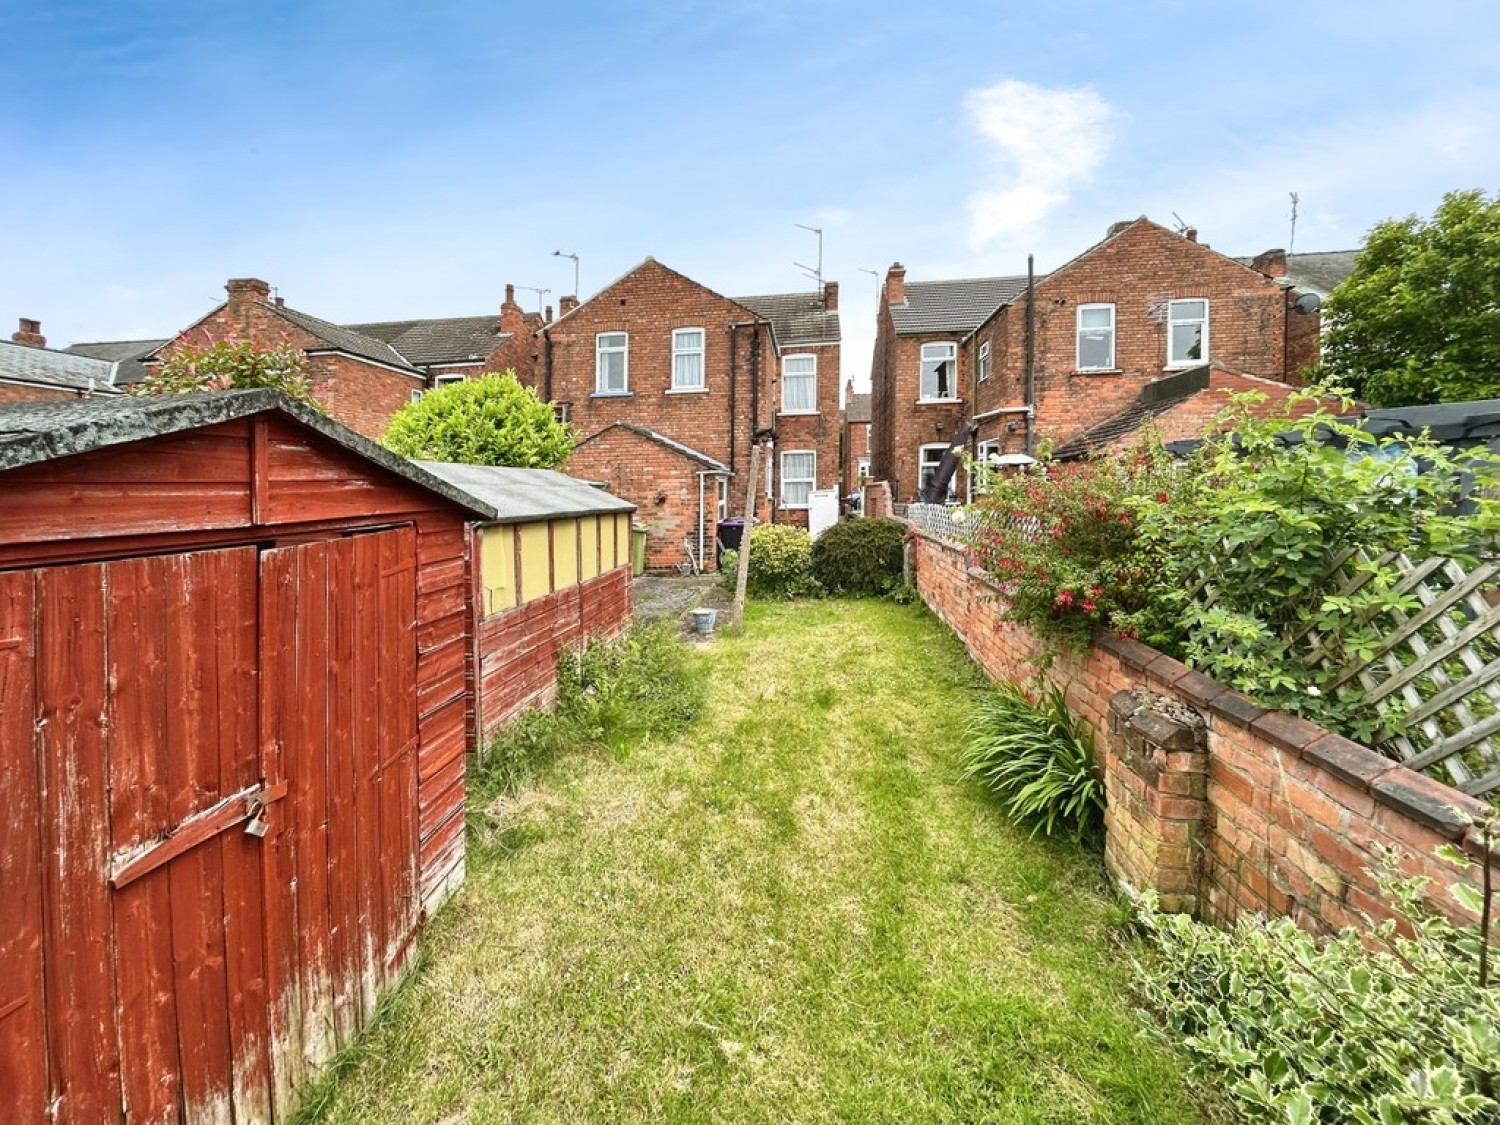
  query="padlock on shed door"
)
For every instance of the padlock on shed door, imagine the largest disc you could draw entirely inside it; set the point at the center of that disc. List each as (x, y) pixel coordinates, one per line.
(257, 825)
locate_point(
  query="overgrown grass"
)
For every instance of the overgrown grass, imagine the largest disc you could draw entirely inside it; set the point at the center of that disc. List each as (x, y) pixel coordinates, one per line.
(793, 911)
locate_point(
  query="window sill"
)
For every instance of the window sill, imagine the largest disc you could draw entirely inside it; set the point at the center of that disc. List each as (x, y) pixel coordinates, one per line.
(1187, 364)
(938, 401)
(798, 413)
(1100, 371)
(686, 391)
(612, 394)
(783, 507)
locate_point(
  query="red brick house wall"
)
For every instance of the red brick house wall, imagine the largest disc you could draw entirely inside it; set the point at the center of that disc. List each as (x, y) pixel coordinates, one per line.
(741, 395)
(858, 444)
(662, 483)
(357, 393)
(25, 392)
(1138, 269)
(1271, 814)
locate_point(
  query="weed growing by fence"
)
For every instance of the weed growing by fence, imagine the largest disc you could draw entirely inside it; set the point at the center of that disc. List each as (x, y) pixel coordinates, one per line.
(614, 695)
(1304, 1031)
(1038, 759)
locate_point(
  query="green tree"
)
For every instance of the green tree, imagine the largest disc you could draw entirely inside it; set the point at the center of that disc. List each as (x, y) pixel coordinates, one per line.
(488, 421)
(1418, 319)
(233, 364)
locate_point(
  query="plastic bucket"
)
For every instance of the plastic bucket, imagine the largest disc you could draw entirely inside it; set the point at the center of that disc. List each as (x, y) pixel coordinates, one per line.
(703, 620)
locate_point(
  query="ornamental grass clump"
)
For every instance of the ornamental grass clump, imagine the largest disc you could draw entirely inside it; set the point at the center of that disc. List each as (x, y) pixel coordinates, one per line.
(1038, 758)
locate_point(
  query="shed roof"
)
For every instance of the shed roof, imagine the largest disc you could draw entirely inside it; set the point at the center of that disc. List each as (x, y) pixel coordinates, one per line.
(520, 495)
(858, 409)
(34, 432)
(48, 368)
(796, 318)
(954, 306)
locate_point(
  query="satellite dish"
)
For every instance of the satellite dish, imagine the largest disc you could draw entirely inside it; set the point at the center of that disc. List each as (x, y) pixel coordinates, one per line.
(1308, 303)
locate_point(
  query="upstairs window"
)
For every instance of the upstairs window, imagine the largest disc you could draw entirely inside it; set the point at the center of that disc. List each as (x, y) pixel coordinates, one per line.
(1187, 333)
(799, 384)
(687, 359)
(939, 371)
(1096, 337)
(612, 363)
(984, 361)
(798, 471)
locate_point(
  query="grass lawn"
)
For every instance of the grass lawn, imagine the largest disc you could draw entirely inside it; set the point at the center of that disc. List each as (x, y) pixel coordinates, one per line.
(794, 913)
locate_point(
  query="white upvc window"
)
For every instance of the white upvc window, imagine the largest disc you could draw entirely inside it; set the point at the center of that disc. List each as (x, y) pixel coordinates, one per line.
(1096, 337)
(861, 471)
(1187, 332)
(721, 499)
(799, 384)
(687, 359)
(416, 396)
(939, 371)
(984, 471)
(984, 361)
(929, 457)
(446, 380)
(612, 363)
(798, 477)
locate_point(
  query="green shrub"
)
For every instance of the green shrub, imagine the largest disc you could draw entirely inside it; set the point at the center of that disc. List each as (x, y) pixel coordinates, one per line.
(614, 694)
(1038, 759)
(1300, 1030)
(234, 364)
(779, 555)
(860, 557)
(489, 421)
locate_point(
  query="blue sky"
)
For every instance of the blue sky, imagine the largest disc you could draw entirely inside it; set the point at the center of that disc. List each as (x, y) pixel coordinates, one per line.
(380, 160)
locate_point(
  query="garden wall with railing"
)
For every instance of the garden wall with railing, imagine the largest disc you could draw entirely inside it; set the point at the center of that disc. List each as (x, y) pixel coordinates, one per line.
(1216, 803)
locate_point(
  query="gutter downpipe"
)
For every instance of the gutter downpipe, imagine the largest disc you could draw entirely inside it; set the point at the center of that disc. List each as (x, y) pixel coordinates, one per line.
(1030, 356)
(701, 475)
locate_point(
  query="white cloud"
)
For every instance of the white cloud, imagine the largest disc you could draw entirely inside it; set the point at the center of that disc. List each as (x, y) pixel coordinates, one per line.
(1046, 140)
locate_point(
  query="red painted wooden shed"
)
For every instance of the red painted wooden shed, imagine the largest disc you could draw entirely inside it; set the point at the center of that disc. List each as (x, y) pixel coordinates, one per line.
(235, 659)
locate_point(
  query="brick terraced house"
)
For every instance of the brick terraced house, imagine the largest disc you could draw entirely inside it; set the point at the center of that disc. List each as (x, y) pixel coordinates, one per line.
(668, 383)
(1146, 324)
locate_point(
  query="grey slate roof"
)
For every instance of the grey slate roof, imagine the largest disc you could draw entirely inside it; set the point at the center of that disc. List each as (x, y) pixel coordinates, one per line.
(661, 439)
(63, 370)
(424, 343)
(796, 318)
(1320, 273)
(858, 409)
(521, 495)
(347, 340)
(954, 306)
(34, 432)
(127, 353)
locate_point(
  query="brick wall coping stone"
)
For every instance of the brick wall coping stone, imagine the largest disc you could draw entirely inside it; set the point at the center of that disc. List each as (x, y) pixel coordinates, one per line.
(1425, 800)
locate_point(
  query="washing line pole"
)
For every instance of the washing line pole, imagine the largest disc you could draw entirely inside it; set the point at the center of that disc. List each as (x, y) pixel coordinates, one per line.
(737, 614)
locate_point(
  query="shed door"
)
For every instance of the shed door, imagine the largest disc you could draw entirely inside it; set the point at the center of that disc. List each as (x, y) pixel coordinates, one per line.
(132, 965)
(339, 724)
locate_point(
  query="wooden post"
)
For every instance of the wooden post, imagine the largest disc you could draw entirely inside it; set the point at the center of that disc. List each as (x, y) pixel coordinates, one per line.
(737, 614)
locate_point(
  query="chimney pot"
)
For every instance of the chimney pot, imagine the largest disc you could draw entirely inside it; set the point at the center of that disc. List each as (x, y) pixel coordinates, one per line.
(1191, 234)
(830, 296)
(547, 316)
(510, 294)
(30, 334)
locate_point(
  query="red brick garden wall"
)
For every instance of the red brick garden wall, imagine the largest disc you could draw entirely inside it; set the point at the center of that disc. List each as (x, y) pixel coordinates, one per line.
(1271, 814)
(518, 648)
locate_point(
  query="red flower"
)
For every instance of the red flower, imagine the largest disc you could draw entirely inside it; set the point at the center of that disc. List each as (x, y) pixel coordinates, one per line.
(1088, 605)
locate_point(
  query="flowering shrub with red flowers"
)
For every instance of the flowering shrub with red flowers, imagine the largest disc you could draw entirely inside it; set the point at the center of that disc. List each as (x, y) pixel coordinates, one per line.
(1061, 540)
(234, 364)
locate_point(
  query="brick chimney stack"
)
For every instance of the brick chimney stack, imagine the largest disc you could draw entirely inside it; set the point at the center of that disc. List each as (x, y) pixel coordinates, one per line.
(565, 305)
(1191, 234)
(246, 291)
(830, 296)
(512, 319)
(895, 284)
(1272, 263)
(30, 334)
